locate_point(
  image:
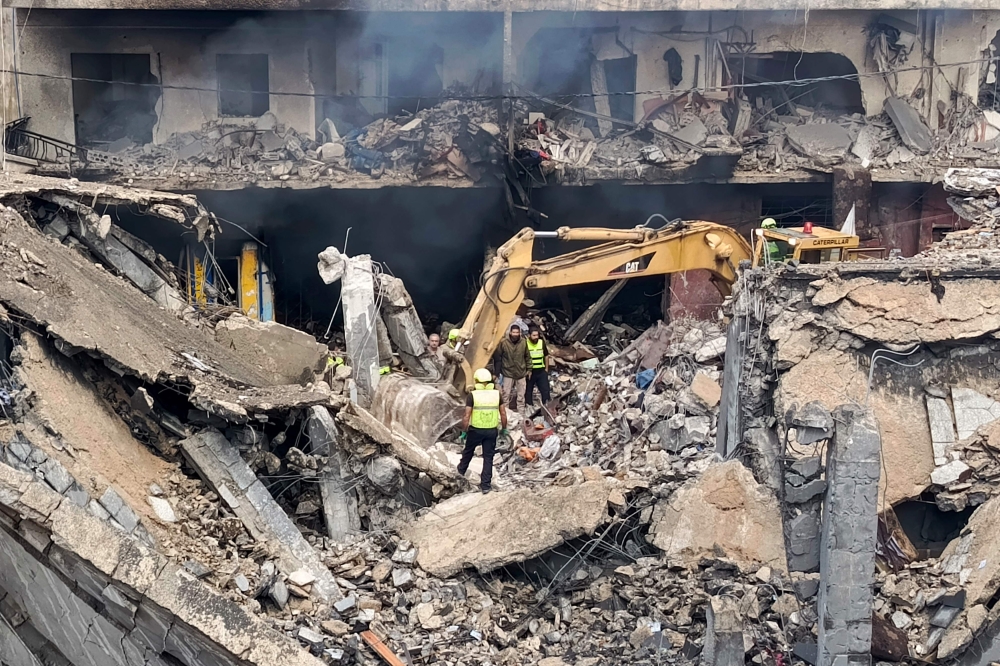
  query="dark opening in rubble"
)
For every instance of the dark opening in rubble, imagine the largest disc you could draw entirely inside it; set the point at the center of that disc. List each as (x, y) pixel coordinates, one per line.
(929, 528)
(243, 84)
(797, 210)
(840, 95)
(114, 97)
(571, 63)
(414, 75)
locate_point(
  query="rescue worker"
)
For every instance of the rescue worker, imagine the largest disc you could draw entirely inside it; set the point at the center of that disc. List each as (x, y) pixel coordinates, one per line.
(484, 417)
(539, 355)
(513, 363)
(773, 251)
(449, 359)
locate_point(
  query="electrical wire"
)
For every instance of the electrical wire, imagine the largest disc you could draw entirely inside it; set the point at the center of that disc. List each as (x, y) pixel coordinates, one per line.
(719, 88)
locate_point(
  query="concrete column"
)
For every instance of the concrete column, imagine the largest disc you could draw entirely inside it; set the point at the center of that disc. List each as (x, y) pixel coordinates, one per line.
(340, 504)
(405, 328)
(724, 633)
(848, 540)
(508, 76)
(358, 289)
(729, 433)
(852, 188)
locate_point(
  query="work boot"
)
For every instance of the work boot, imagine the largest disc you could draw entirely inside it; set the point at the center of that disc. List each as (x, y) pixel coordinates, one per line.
(486, 489)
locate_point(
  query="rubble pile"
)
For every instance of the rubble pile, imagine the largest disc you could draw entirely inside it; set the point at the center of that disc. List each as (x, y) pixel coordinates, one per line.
(764, 135)
(456, 138)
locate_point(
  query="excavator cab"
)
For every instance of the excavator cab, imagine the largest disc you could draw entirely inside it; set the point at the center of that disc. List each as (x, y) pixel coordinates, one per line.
(808, 244)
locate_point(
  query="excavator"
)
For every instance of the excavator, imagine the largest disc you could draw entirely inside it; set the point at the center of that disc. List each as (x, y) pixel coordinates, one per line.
(625, 253)
(425, 411)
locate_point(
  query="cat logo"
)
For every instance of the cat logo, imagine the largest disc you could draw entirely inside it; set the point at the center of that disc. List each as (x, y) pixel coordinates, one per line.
(633, 267)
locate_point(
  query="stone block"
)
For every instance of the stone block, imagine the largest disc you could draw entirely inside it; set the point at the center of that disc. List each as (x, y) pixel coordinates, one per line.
(972, 410)
(57, 476)
(803, 542)
(942, 428)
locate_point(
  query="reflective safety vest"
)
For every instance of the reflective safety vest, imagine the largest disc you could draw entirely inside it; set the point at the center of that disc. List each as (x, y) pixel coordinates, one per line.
(485, 409)
(537, 352)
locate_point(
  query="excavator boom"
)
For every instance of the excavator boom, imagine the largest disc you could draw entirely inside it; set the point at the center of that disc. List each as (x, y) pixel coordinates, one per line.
(625, 253)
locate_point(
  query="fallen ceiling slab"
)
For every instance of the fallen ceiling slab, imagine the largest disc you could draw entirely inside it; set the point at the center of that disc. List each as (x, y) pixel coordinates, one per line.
(87, 309)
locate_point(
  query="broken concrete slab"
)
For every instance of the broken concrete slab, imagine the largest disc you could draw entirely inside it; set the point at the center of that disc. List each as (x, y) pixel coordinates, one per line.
(706, 390)
(362, 424)
(340, 502)
(693, 133)
(950, 473)
(289, 355)
(405, 329)
(972, 410)
(827, 143)
(972, 182)
(724, 508)
(812, 422)
(915, 134)
(489, 531)
(219, 464)
(87, 309)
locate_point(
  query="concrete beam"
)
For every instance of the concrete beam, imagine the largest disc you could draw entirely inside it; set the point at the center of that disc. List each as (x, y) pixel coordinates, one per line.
(510, 5)
(848, 541)
(340, 503)
(219, 464)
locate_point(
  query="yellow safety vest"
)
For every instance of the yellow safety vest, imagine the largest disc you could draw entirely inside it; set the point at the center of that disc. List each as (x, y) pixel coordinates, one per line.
(485, 409)
(537, 352)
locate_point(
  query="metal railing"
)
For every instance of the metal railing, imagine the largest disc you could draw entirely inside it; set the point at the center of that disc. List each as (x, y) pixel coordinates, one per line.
(23, 143)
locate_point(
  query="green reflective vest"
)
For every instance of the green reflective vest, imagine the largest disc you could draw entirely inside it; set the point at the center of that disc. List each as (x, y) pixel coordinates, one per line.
(485, 409)
(537, 352)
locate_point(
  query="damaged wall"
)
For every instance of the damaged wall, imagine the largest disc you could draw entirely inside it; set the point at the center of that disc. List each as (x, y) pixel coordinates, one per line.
(825, 323)
(180, 55)
(302, 60)
(949, 37)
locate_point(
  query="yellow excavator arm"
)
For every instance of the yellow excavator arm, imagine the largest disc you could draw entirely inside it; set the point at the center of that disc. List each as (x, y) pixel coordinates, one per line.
(624, 253)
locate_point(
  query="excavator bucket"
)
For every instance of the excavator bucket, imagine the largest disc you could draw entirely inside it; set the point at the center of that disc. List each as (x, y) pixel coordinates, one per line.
(422, 411)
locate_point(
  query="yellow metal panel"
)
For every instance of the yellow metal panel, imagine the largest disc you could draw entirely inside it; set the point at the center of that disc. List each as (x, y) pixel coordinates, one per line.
(199, 282)
(248, 280)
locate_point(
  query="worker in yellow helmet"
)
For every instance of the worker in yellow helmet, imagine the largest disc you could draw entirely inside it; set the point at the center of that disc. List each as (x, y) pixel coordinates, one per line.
(484, 417)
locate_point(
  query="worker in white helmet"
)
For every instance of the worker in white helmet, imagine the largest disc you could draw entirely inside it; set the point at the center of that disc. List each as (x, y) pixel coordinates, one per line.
(485, 417)
(774, 252)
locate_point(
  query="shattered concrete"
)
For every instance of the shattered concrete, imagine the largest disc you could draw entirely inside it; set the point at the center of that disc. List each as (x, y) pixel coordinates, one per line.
(726, 509)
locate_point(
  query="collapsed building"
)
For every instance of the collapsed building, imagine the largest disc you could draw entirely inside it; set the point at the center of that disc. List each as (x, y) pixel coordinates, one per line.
(488, 117)
(214, 451)
(184, 484)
